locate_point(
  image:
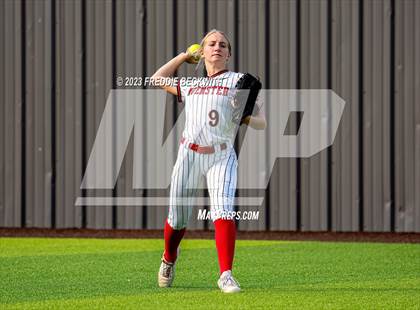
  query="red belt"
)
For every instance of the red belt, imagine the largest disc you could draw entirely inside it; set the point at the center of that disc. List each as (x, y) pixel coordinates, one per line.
(203, 149)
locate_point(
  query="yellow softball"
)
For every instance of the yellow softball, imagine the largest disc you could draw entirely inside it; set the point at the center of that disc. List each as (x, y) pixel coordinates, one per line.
(194, 53)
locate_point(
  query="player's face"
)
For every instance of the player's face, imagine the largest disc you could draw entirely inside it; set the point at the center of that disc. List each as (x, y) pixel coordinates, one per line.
(216, 48)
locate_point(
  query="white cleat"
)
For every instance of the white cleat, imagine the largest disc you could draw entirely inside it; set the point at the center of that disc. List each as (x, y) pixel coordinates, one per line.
(227, 283)
(166, 274)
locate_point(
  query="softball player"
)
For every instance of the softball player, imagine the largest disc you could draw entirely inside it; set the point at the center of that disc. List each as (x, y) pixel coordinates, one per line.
(206, 150)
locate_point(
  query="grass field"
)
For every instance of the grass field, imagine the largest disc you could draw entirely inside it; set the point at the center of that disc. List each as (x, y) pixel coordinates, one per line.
(121, 273)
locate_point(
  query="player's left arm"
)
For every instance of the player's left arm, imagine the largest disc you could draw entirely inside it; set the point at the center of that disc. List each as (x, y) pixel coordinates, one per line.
(257, 120)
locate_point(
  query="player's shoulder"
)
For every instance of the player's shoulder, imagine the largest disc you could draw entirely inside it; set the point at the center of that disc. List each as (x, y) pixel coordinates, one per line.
(228, 75)
(234, 76)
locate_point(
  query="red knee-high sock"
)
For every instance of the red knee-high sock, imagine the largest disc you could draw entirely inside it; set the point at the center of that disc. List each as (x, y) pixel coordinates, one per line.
(225, 235)
(173, 238)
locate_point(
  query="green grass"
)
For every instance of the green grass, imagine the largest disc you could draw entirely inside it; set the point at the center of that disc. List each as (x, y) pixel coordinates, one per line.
(112, 273)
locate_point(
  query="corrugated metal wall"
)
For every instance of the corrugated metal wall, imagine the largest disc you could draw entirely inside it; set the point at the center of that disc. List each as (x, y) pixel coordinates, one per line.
(59, 60)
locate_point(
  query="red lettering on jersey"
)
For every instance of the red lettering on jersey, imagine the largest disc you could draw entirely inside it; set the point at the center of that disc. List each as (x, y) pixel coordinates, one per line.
(209, 90)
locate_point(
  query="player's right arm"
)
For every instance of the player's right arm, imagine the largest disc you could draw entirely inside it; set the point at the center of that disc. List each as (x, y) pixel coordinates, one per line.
(168, 70)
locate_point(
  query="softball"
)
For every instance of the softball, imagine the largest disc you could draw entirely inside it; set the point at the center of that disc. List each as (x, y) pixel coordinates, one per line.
(194, 53)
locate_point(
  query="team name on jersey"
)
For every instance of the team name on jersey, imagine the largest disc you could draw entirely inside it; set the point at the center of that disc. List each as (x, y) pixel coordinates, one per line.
(209, 90)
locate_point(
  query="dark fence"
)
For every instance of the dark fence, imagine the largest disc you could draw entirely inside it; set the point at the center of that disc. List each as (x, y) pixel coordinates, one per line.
(59, 60)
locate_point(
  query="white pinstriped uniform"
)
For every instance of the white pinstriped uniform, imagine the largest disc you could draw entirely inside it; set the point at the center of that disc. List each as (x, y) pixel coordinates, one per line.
(208, 123)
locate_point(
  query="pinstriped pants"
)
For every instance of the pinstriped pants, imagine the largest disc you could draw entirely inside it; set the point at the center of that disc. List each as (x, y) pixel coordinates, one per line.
(220, 171)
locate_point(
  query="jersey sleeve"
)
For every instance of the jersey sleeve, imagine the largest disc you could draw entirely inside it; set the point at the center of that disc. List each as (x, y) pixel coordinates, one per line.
(236, 78)
(181, 90)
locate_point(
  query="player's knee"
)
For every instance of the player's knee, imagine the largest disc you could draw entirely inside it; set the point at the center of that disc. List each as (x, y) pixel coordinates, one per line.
(177, 224)
(178, 220)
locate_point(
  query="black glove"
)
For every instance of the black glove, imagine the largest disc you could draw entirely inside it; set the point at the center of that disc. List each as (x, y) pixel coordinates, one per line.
(247, 89)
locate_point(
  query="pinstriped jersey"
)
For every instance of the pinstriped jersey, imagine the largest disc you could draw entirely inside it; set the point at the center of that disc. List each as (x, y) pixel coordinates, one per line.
(208, 108)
